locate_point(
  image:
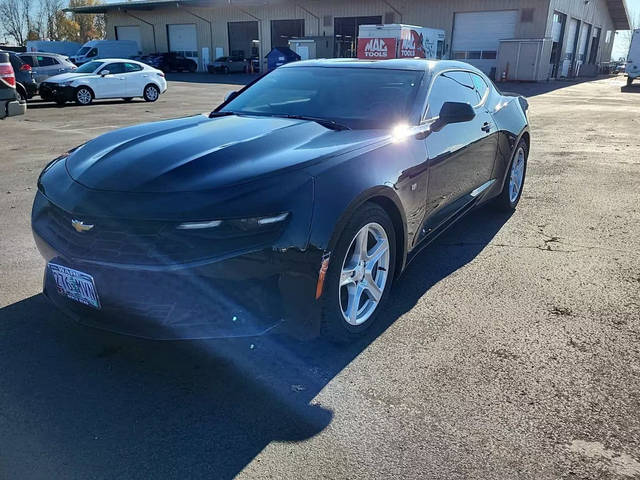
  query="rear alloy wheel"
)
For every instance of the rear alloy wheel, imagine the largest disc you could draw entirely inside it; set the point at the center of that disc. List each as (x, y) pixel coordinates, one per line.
(360, 274)
(151, 93)
(83, 96)
(512, 190)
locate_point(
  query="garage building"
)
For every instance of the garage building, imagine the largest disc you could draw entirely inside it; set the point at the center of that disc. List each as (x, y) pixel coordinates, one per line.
(510, 39)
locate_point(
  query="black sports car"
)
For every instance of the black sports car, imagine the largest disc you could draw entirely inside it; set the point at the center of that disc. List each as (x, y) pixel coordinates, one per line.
(296, 202)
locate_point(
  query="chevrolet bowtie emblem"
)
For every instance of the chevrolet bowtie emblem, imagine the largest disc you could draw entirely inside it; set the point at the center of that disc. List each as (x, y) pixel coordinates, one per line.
(80, 226)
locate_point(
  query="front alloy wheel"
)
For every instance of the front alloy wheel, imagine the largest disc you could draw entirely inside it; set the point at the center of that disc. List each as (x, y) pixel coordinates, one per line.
(364, 274)
(83, 96)
(360, 274)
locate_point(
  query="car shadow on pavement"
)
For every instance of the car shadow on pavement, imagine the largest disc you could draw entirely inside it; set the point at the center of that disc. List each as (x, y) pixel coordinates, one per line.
(81, 403)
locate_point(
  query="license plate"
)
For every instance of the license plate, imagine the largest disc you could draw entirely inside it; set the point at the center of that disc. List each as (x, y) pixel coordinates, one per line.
(76, 285)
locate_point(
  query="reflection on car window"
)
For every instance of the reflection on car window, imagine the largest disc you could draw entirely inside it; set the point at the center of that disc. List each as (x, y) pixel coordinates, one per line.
(132, 67)
(356, 97)
(46, 61)
(480, 84)
(89, 67)
(451, 87)
(115, 68)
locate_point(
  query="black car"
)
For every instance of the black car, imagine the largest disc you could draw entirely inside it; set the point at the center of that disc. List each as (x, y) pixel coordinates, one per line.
(169, 62)
(10, 103)
(26, 85)
(295, 203)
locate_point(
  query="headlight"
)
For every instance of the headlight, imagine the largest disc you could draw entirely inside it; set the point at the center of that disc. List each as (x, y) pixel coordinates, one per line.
(65, 84)
(236, 225)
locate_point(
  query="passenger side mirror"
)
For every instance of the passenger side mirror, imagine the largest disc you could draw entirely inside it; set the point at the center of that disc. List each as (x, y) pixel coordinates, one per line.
(455, 112)
(104, 73)
(230, 96)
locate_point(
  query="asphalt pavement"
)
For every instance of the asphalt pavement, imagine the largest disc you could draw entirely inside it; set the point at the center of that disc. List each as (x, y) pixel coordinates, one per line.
(510, 349)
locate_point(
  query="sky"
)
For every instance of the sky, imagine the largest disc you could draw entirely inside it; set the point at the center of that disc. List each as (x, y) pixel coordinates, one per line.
(620, 45)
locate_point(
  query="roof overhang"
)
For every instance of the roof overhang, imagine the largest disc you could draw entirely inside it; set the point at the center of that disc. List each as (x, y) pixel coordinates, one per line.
(617, 8)
(619, 14)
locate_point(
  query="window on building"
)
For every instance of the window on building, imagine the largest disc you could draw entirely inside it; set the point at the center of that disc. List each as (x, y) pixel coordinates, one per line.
(346, 34)
(284, 30)
(474, 54)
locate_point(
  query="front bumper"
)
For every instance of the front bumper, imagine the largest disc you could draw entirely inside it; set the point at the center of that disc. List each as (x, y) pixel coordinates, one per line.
(50, 92)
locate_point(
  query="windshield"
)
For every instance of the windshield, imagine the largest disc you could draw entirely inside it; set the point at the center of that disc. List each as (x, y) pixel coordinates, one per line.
(356, 97)
(83, 51)
(89, 67)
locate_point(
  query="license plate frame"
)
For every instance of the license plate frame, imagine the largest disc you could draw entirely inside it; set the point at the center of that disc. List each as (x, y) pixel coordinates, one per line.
(75, 285)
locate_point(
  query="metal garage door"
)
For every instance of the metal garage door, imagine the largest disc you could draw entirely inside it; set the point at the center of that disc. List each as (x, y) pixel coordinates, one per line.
(130, 32)
(183, 39)
(477, 35)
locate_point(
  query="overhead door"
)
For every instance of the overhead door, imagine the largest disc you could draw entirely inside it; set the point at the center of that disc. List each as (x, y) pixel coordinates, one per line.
(130, 32)
(477, 35)
(183, 40)
(244, 40)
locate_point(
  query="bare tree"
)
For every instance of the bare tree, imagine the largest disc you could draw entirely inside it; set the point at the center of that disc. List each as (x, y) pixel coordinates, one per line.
(15, 18)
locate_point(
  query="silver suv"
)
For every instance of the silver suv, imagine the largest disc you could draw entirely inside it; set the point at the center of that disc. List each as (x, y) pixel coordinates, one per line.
(45, 65)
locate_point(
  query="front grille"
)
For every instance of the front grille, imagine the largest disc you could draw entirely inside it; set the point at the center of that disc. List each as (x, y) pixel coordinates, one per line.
(135, 242)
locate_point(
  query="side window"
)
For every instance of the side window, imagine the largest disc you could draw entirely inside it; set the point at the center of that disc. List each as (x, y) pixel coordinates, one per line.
(451, 87)
(480, 84)
(47, 61)
(29, 60)
(132, 67)
(93, 52)
(115, 68)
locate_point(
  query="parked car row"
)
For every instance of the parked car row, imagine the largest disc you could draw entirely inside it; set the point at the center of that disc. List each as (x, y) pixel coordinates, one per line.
(169, 62)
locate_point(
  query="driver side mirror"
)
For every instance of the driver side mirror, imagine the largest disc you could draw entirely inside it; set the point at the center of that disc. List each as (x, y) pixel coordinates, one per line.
(230, 96)
(455, 112)
(104, 73)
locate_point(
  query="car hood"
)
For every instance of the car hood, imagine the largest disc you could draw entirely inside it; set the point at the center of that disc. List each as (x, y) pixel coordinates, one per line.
(200, 153)
(67, 77)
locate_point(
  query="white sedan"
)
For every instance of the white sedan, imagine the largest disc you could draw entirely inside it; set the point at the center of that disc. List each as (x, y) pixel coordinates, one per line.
(105, 78)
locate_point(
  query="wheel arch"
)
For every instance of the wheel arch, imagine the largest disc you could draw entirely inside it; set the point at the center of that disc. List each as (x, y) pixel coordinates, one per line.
(21, 89)
(386, 198)
(83, 85)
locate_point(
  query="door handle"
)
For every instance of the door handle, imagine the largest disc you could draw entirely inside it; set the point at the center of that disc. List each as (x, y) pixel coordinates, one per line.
(486, 127)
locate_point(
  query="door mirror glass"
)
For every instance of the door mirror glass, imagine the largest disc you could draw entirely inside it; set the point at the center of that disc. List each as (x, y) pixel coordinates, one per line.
(230, 96)
(105, 72)
(455, 112)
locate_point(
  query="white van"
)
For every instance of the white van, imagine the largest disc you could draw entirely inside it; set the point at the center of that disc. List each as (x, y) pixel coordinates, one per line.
(96, 49)
(633, 58)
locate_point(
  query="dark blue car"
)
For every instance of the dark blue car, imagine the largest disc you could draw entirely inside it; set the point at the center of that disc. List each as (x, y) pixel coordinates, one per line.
(295, 203)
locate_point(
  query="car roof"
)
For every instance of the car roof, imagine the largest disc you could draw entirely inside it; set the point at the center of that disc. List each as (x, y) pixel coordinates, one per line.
(128, 60)
(416, 64)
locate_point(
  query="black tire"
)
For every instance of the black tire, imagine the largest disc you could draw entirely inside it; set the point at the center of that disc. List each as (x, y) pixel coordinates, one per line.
(60, 102)
(504, 201)
(334, 325)
(127, 99)
(193, 67)
(148, 95)
(83, 96)
(629, 81)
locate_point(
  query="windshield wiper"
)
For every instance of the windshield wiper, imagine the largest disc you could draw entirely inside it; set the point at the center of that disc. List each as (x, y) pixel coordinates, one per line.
(333, 125)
